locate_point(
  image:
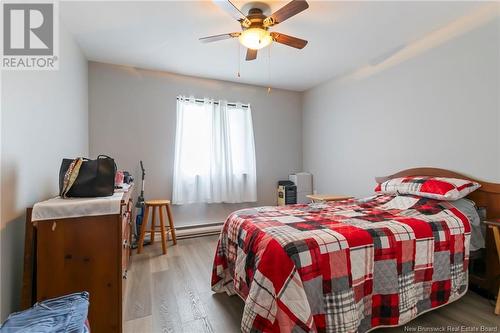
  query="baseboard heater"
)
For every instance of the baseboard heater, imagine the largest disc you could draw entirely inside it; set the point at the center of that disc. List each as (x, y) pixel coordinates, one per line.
(198, 230)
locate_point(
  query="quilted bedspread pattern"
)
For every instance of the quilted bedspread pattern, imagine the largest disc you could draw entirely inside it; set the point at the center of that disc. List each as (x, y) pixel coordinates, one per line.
(342, 267)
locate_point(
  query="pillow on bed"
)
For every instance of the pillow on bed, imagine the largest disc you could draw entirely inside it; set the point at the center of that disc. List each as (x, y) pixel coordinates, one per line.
(430, 187)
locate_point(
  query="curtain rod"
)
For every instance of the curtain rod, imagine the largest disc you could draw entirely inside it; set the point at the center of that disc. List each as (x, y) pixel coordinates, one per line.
(215, 102)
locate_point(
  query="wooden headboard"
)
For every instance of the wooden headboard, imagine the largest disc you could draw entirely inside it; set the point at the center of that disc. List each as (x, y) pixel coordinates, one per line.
(488, 195)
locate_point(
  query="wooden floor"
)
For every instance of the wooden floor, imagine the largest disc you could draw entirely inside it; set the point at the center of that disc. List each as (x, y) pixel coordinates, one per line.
(172, 293)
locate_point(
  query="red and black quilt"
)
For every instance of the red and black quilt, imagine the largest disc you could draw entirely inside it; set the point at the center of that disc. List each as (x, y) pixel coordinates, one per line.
(343, 267)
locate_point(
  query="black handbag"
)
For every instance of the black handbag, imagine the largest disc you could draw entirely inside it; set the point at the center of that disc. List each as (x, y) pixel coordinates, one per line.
(95, 178)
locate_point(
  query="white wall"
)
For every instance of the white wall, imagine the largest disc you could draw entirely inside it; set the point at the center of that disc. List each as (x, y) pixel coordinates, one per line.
(132, 117)
(44, 118)
(438, 109)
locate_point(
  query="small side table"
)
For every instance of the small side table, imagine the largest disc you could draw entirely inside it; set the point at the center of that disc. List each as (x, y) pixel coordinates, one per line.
(495, 226)
(327, 197)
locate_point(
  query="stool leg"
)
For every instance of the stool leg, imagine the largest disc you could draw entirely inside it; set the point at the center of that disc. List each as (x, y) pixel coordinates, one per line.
(143, 229)
(153, 223)
(497, 307)
(171, 222)
(168, 229)
(496, 235)
(162, 228)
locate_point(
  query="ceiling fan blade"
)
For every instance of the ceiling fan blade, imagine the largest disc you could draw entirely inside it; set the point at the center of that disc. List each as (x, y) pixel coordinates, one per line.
(251, 54)
(289, 40)
(290, 9)
(232, 10)
(216, 38)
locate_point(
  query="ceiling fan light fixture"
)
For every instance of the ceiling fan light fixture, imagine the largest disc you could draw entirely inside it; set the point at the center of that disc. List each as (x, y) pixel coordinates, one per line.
(255, 38)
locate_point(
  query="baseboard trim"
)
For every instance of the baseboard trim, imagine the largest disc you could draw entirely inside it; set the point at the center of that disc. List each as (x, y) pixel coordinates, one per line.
(198, 225)
(199, 230)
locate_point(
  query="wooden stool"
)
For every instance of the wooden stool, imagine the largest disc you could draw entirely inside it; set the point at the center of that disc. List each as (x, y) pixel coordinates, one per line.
(157, 205)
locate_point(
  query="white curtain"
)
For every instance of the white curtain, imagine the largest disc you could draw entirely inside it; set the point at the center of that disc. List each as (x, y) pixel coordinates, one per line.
(214, 153)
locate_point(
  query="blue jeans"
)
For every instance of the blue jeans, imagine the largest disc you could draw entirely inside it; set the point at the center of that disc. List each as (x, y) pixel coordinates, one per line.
(65, 314)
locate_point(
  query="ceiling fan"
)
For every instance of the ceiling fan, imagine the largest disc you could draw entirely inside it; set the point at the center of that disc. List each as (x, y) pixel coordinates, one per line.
(255, 26)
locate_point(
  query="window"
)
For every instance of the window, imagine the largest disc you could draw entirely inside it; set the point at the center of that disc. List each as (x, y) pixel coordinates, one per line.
(214, 152)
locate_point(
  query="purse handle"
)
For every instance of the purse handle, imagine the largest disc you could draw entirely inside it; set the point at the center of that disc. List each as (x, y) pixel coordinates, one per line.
(99, 157)
(106, 156)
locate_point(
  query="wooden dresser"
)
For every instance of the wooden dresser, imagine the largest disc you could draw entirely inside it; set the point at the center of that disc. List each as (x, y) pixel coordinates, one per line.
(88, 253)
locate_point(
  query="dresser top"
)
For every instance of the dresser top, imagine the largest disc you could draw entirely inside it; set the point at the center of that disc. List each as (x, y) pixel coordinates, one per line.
(59, 208)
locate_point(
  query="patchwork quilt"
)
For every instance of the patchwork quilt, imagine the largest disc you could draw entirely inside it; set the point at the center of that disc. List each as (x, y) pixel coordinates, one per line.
(343, 267)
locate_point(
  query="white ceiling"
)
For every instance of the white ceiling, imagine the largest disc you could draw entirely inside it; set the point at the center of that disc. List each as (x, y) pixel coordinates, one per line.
(163, 35)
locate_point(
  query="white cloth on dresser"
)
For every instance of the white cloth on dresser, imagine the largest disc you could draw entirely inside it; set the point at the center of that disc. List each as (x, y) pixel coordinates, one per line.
(58, 208)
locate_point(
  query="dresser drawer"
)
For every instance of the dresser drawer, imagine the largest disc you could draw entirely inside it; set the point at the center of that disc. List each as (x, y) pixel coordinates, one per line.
(126, 225)
(126, 238)
(126, 212)
(126, 216)
(125, 251)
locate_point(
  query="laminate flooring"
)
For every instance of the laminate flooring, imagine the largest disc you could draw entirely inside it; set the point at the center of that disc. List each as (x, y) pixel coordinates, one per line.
(171, 293)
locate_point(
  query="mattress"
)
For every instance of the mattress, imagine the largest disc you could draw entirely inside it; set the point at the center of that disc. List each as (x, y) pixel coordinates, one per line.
(468, 207)
(346, 266)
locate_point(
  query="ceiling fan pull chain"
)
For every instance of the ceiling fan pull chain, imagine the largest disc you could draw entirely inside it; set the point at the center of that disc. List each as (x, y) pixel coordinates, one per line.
(239, 60)
(269, 70)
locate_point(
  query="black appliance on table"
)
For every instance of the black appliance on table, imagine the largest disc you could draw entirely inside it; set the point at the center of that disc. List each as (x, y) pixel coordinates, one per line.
(287, 193)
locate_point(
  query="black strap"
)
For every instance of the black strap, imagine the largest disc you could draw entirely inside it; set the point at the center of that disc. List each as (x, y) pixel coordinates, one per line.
(106, 156)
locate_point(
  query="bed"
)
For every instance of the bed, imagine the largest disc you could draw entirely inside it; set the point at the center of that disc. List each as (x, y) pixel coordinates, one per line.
(349, 266)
